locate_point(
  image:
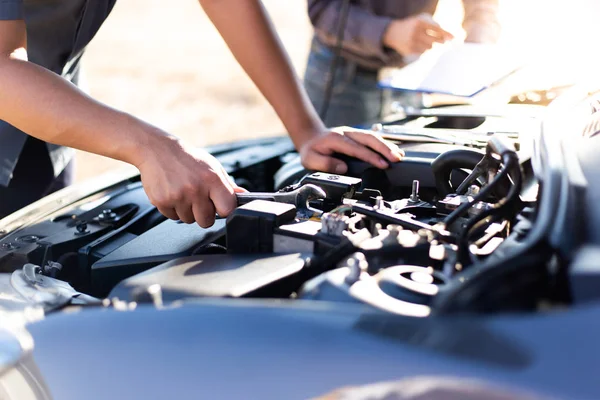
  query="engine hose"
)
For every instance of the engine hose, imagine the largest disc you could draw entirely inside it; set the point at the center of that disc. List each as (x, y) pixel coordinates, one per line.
(496, 146)
(499, 206)
(341, 28)
(495, 210)
(443, 165)
(486, 191)
(523, 270)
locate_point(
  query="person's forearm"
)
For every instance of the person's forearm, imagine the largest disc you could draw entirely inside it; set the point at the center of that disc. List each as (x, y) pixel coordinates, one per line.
(481, 22)
(183, 183)
(45, 106)
(251, 38)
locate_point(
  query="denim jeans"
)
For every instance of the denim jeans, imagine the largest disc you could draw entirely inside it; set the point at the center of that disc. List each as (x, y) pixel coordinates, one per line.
(356, 98)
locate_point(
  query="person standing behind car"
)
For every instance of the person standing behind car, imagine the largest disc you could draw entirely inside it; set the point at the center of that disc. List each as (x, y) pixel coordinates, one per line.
(378, 34)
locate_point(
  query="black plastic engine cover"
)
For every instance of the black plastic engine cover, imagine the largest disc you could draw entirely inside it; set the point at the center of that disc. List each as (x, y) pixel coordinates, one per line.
(250, 227)
(217, 276)
(165, 242)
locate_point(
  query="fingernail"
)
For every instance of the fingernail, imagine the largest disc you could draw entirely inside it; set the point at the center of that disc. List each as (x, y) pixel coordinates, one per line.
(383, 163)
(399, 154)
(340, 169)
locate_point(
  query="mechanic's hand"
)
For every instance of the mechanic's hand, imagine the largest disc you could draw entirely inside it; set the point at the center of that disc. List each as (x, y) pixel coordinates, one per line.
(414, 35)
(187, 184)
(317, 152)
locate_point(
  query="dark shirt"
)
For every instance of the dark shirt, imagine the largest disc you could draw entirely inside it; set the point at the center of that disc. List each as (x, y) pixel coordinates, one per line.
(369, 19)
(57, 33)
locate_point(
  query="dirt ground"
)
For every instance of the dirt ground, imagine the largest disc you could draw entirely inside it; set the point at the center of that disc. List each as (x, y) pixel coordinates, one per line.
(169, 66)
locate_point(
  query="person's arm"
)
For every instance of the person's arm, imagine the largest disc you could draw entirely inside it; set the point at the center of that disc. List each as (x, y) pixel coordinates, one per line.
(371, 35)
(248, 32)
(481, 22)
(413, 36)
(183, 183)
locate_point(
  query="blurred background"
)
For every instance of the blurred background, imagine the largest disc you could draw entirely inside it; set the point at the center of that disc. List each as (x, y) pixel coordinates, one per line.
(169, 66)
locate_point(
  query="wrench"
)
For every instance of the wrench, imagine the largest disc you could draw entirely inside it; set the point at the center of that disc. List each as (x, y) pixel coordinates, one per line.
(299, 197)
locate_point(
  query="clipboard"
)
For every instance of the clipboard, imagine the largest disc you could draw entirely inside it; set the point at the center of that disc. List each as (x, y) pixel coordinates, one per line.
(457, 69)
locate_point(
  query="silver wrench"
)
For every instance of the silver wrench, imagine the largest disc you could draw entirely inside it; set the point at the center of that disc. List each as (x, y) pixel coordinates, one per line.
(299, 197)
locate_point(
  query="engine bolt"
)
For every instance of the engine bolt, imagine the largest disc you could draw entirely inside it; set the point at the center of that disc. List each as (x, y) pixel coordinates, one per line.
(7, 246)
(357, 263)
(107, 214)
(473, 191)
(379, 204)
(414, 196)
(82, 228)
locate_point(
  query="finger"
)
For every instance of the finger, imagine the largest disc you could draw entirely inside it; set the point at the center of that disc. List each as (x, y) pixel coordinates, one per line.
(168, 212)
(424, 39)
(223, 202)
(234, 186)
(321, 162)
(204, 213)
(345, 145)
(185, 213)
(432, 37)
(421, 46)
(447, 35)
(433, 29)
(228, 178)
(223, 198)
(377, 143)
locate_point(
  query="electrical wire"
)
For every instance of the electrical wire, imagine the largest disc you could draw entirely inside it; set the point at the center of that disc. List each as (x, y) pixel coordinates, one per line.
(509, 160)
(513, 170)
(498, 207)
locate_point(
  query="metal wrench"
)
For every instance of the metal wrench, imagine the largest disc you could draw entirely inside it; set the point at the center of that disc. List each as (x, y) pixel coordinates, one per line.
(299, 197)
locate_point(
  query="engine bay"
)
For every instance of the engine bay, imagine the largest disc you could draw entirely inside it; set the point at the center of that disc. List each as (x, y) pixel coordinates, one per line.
(444, 230)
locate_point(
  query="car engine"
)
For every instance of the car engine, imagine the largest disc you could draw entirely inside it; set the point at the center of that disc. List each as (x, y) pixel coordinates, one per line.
(448, 229)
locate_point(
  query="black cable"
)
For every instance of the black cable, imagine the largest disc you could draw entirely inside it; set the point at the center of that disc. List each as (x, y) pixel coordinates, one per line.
(463, 208)
(499, 206)
(496, 146)
(511, 163)
(342, 20)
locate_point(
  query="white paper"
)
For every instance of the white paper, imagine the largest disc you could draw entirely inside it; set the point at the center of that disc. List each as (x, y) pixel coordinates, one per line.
(459, 69)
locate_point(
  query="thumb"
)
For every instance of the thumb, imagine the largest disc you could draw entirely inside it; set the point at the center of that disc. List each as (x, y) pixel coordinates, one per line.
(320, 162)
(434, 28)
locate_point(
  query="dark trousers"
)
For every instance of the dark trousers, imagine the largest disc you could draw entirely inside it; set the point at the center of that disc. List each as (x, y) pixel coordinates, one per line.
(33, 178)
